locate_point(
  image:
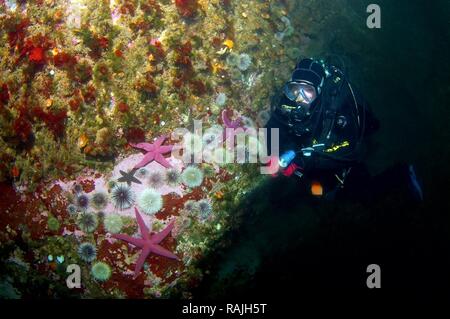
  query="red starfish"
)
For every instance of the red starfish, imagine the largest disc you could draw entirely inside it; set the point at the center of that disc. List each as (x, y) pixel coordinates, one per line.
(148, 243)
(154, 152)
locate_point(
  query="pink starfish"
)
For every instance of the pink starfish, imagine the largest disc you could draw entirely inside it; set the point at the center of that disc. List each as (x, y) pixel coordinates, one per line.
(154, 151)
(148, 243)
(231, 127)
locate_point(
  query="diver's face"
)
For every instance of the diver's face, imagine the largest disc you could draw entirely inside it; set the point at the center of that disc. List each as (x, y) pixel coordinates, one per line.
(301, 93)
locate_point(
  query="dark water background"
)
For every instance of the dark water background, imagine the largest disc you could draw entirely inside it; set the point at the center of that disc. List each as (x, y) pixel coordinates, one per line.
(288, 243)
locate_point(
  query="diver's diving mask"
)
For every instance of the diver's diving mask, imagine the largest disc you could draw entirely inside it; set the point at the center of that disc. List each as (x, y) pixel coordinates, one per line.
(302, 93)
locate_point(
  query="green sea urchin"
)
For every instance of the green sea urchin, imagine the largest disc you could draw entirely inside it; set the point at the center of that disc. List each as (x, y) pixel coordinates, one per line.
(172, 177)
(122, 197)
(101, 271)
(204, 208)
(156, 179)
(87, 222)
(99, 200)
(87, 252)
(150, 201)
(82, 202)
(192, 176)
(113, 223)
(191, 206)
(72, 209)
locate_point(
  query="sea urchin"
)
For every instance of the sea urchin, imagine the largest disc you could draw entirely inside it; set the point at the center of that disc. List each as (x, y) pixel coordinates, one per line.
(82, 201)
(113, 223)
(87, 222)
(87, 252)
(101, 271)
(204, 208)
(99, 200)
(150, 201)
(122, 197)
(192, 176)
(156, 179)
(172, 177)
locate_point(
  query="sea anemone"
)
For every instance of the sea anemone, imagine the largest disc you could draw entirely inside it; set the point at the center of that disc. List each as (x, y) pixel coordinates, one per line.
(82, 201)
(99, 200)
(87, 222)
(87, 252)
(72, 209)
(113, 223)
(53, 223)
(172, 177)
(191, 206)
(221, 99)
(204, 208)
(101, 271)
(244, 62)
(232, 59)
(156, 179)
(142, 172)
(150, 201)
(122, 197)
(192, 176)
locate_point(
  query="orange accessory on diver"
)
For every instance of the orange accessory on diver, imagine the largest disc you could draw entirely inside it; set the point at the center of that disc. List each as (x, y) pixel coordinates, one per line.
(316, 189)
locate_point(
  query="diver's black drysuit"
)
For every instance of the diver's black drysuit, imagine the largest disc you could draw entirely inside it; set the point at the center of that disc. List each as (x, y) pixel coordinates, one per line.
(330, 144)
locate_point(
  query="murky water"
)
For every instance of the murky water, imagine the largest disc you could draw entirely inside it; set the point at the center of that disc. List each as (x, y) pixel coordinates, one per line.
(403, 72)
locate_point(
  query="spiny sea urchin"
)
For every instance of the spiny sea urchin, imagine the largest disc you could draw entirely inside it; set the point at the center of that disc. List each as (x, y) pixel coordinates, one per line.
(101, 271)
(122, 197)
(87, 252)
(192, 176)
(204, 208)
(99, 200)
(113, 223)
(72, 209)
(155, 179)
(87, 222)
(172, 177)
(191, 206)
(150, 201)
(82, 202)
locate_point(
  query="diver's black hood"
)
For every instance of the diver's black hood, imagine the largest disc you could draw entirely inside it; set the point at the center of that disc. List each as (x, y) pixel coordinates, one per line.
(310, 71)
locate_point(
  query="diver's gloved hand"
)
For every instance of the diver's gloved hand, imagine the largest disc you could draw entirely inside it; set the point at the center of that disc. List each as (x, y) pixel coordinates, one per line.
(290, 170)
(274, 166)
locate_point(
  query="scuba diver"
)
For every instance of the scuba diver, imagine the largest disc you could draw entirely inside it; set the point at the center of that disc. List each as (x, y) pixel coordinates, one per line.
(323, 127)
